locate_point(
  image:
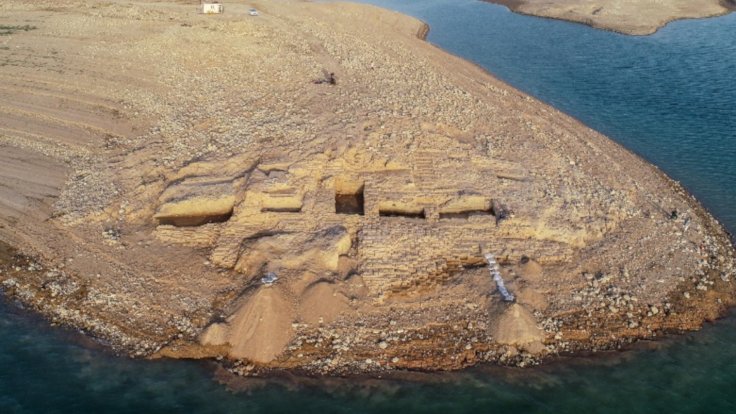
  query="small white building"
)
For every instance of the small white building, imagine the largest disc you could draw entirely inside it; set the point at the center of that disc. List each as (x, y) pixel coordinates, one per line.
(212, 8)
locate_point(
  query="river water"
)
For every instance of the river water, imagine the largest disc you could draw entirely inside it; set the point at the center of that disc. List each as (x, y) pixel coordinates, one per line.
(670, 97)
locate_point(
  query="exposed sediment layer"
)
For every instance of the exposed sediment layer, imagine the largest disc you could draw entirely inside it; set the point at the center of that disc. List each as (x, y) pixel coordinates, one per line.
(634, 17)
(316, 189)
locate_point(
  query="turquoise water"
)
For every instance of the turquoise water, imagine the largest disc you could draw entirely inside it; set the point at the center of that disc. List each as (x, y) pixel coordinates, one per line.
(669, 97)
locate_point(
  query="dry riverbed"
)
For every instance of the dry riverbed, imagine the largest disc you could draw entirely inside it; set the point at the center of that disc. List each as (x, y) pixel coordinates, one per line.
(316, 189)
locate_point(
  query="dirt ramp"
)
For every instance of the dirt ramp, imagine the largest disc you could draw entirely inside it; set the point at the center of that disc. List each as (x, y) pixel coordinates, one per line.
(322, 303)
(517, 326)
(259, 330)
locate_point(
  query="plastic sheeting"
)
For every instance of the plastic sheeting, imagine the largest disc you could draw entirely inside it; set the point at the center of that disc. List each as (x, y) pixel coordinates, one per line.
(496, 274)
(269, 278)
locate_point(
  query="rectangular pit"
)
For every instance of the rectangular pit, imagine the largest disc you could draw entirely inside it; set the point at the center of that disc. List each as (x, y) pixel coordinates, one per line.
(350, 203)
(349, 195)
(412, 214)
(194, 221)
(281, 210)
(466, 206)
(464, 215)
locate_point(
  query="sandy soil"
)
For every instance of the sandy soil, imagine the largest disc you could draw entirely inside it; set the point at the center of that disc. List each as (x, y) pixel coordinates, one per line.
(156, 163)
(634, 17)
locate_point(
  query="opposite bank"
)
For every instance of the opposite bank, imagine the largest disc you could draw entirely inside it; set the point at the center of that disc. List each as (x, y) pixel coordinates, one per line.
(632, 17)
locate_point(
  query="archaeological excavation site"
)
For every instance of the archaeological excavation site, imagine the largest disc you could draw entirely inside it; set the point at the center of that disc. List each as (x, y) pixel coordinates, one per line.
(176, 191)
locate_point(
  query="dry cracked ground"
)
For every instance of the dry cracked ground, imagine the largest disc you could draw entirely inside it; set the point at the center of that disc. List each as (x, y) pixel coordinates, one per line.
(157, 164)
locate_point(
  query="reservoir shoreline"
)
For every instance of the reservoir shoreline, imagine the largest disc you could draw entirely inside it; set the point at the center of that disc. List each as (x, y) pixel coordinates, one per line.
(46, 286)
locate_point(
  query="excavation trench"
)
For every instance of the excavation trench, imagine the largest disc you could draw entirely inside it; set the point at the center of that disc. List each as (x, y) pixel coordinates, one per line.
(466, 214)
(421, 214)
(350, 203)
(194, 221)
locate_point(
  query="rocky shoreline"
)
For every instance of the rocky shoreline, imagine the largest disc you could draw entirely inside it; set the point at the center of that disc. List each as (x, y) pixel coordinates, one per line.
(364, 171)
(49, 292)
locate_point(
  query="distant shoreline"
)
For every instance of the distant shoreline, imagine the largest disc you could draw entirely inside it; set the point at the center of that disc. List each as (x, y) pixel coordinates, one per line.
(648, 24)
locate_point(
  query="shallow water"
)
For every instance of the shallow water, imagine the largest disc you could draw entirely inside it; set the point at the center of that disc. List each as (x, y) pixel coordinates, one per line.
(670, 97)
(48, 371)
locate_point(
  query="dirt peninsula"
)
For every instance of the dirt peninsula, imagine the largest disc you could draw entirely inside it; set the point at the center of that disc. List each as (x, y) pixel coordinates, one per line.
(318, 189)
(633, 17)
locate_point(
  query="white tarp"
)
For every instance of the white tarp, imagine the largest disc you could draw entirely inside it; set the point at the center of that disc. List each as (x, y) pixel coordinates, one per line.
(493, 267)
